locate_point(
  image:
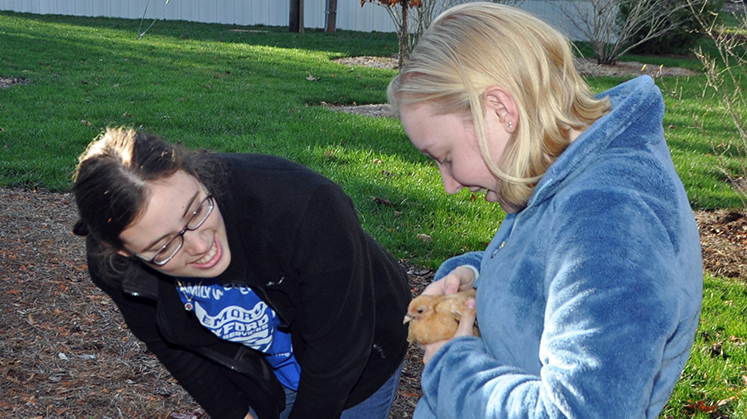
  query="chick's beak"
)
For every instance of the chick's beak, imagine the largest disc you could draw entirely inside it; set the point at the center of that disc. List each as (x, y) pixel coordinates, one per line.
(407, 318)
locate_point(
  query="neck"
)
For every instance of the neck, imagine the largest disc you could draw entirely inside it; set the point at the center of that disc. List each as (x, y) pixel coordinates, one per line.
(574, 134)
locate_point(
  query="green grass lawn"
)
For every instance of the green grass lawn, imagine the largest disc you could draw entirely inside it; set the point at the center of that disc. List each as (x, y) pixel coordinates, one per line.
(247, 89)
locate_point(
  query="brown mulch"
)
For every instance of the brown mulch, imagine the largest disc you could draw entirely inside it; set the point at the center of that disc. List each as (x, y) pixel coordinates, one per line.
(66, 353)
(586, 66)
(723, 238)
(11, 81)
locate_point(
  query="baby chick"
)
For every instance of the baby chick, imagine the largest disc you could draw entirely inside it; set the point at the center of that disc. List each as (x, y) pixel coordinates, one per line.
(436, 317)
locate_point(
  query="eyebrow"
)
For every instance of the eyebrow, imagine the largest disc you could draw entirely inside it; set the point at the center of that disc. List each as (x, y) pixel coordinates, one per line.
(186, 211)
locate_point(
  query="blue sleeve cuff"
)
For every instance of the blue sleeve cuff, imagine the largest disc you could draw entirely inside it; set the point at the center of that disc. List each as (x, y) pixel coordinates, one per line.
(470, 259)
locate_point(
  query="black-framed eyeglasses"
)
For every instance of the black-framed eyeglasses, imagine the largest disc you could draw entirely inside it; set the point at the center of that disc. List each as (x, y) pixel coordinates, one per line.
(172, 247)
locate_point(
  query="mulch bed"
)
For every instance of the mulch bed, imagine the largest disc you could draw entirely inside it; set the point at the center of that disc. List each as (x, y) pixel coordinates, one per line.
(66, 353)
(586, 67)
(10, 81)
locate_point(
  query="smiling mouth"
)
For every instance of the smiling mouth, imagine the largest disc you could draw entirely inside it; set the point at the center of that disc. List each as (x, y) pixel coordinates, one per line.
(209, 255)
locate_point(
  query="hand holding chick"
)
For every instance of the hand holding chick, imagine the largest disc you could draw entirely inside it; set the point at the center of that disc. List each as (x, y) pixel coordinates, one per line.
(433, 318)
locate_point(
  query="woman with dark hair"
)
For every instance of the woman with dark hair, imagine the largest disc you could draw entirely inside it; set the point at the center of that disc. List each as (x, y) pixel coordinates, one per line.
(248, 276)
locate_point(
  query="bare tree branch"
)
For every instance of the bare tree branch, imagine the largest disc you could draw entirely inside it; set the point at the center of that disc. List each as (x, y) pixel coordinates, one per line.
(612, 35)
(412, 22)
(725, 78)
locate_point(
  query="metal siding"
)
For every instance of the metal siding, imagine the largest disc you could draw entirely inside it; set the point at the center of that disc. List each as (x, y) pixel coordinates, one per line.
(19, 6)
(350, 14)
(101, 8)
(117, 9)
(280, 13)
(313, 13)
(242, 12)
(174, 10)
(190, 10)
(260, 12)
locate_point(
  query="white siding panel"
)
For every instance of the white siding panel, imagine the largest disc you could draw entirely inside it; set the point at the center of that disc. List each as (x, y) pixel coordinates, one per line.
(17, 6)
(280, 13)
(32, 6)
(155, 9)
(189, 9)
(224, 11)
(100, 8)
(370, 17)
(313, 13)
(82, 7)
(207, 11)
(350, 14)
(242, 11)
(10, 5)
(174, 10)
(118, 9)
(260, 12)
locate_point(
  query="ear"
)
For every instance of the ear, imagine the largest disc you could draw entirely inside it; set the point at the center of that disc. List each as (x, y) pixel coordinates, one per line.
(500, 102)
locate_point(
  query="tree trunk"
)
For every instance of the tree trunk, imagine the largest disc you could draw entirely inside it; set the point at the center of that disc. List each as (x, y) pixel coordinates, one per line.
(295, 22)
(404, 32)
(331, 25)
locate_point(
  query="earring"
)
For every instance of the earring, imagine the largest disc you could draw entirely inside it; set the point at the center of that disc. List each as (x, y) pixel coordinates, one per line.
(510, 125)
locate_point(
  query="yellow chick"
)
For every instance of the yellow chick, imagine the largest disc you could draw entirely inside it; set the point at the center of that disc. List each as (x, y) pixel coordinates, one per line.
(436, 317)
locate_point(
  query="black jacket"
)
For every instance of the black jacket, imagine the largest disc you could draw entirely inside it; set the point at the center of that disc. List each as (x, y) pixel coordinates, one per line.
(295, 239)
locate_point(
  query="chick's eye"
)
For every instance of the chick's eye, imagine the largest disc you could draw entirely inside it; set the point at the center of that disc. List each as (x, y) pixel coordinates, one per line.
(421, 310)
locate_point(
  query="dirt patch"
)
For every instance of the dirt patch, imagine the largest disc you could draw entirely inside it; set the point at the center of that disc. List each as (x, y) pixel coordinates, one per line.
(589, 68)
(66, 353)
(12, 81)
(376, 111)
(723, 237)
(389, 63)
(586, 66)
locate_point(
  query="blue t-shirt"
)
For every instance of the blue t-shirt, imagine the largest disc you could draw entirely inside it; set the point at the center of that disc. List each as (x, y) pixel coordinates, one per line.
(237, 314)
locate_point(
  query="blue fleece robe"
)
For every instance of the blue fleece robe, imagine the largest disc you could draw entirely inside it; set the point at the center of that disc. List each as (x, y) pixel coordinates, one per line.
(589, 298)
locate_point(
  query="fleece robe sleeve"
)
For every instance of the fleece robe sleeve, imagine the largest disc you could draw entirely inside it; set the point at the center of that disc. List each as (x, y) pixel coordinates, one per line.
(613, 326)
(338, 312)
(472, 259)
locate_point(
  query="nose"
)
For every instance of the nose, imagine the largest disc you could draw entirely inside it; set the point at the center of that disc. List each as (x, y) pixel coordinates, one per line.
(451, 186)
(196, 242)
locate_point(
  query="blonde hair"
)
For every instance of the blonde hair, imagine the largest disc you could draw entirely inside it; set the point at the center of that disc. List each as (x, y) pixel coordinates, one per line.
(474, 46)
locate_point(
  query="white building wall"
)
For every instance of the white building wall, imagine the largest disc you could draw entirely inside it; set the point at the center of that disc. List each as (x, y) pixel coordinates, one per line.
(350, 14)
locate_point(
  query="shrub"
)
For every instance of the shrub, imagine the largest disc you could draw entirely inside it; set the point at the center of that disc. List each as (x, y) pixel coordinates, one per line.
(686, 33)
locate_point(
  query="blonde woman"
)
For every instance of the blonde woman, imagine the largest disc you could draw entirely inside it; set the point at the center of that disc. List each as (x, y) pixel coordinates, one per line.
(588, 296)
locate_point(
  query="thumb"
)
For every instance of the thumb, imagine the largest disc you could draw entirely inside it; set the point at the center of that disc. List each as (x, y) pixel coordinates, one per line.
(467, 321)
(452, 283)
(451, 286)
